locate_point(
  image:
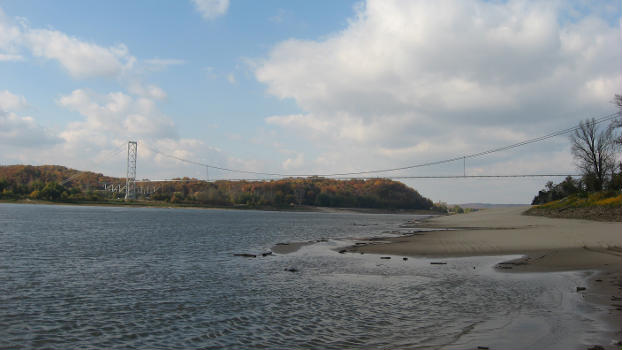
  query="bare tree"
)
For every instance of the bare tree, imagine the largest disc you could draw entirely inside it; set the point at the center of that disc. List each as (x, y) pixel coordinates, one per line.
(593, 150)
(617, 123)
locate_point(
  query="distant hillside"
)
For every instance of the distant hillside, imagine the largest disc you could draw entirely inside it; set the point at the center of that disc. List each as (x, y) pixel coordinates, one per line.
(29, 175)
(46, 183)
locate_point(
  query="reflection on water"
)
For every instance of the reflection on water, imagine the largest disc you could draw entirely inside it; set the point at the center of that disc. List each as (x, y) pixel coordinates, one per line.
(90, 277)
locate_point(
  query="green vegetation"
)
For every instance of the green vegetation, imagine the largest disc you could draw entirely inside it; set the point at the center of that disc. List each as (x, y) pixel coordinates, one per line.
(597, 195)
(452, 209)
(601, 206)
(607, 199)
(577, 199)
(20, 182)
(573, 199)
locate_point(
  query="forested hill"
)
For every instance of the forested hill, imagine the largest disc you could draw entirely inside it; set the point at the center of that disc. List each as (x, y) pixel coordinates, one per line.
(20, 176)
(43, 182)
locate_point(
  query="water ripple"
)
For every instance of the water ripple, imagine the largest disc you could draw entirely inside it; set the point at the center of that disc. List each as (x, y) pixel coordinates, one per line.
(70, 277)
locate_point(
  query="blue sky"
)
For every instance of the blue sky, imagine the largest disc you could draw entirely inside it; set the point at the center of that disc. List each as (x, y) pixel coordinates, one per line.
(200, 94)
(306, 86)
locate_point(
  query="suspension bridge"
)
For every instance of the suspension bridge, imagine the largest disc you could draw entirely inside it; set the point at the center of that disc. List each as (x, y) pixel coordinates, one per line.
(132, 187)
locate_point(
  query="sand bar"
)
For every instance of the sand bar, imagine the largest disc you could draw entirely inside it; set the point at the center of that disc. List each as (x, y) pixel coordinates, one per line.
(549, 244)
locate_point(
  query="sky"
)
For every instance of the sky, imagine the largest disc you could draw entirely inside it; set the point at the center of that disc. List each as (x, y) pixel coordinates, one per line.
(308, 87)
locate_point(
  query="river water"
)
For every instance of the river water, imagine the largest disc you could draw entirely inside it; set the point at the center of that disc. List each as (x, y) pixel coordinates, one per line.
(120, 278)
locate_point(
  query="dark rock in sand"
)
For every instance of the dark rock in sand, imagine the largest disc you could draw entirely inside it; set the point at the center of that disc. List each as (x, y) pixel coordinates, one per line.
(404, 259)
(282, 244)
(438, 263)
(385, 257)
(266, 254)
(596, 347)
(483, 348)
(580, 289)
(343, 251)
(245, 255)
(291, 269)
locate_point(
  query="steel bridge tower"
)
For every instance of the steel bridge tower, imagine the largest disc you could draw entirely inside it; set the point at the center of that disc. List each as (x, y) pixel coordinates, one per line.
(130, 184)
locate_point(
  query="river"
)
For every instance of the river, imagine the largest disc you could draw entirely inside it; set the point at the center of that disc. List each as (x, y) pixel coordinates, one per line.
(155, 278)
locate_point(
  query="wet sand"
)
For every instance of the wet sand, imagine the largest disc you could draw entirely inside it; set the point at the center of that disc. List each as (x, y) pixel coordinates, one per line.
(594, 249)
(547, 244)
(287, 248)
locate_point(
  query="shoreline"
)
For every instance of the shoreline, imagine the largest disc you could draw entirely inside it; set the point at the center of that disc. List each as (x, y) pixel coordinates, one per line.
(545, 245)
(298, 208)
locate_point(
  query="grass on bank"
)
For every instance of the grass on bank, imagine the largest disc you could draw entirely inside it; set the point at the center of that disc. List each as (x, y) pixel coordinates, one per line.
(600, 206)
(598, 199)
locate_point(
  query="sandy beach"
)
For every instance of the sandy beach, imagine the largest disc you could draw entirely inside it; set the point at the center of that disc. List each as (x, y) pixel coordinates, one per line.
(547, 244)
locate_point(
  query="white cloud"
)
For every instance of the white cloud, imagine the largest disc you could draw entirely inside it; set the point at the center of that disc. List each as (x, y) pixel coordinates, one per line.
(294, 163)
(408, 74)
(10, 57)
(81, 59)
(446, 56)
(96, 140)
(116, 112)
(149, 91)
(411, 81)
(9, 39)
(17, 131)
(110, 120)
(11, 102)
(211, 9)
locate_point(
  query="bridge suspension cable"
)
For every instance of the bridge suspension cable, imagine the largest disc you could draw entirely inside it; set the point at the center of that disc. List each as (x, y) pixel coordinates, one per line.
(392, 177)
(595, 121)
(113, 152)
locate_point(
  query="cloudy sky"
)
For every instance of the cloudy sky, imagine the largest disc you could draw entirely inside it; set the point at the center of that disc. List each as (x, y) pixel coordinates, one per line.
(307, 87)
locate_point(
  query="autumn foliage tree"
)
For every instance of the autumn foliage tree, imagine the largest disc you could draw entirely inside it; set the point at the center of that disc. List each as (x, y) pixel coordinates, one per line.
(43, 182)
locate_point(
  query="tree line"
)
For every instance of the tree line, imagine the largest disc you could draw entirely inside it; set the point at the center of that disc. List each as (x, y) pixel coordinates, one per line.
(312, 191)
(596, 150)
(47, 182)
(57, 183)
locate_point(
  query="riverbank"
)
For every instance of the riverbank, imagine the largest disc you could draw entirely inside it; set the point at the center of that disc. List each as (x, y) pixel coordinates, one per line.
(596, 213)
(598, 206)
(547, 244)
(161, 204)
